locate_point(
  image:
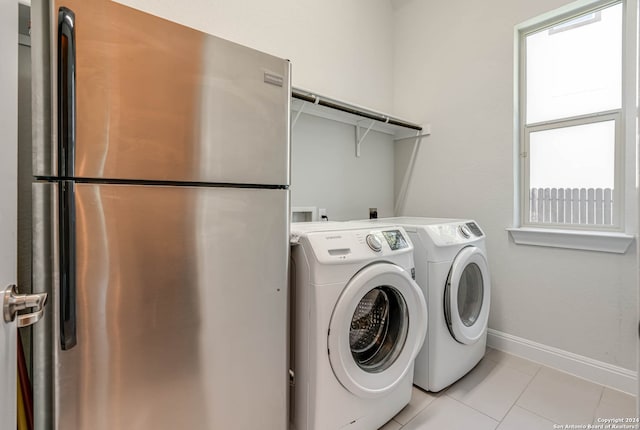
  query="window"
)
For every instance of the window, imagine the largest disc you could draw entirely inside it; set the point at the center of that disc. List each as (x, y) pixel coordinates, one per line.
(571, 135)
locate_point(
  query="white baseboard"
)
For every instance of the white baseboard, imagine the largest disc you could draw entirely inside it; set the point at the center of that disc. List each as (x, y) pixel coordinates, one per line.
(587, 368)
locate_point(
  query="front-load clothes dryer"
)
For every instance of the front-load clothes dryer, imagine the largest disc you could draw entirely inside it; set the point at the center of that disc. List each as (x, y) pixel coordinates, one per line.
(452, 271)
(359, 320)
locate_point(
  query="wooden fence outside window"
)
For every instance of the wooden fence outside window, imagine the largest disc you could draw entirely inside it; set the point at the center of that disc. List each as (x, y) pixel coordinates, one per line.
(571, 205)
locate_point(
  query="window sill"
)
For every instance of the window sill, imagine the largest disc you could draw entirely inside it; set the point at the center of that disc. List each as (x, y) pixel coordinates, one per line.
(617, 243)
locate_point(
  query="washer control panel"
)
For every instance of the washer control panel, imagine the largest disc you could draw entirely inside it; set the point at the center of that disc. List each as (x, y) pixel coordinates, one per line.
(359, 244)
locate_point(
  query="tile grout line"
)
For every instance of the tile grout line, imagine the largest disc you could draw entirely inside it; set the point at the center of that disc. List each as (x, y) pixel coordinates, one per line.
(566, 373)
(595, 411)
(525, 388)
(461, 402)
(471, 407)
(417, 413)
(512, 367)
(517, 398)
(536, 413)
(478, 411)
(413, 417)
(515, 403)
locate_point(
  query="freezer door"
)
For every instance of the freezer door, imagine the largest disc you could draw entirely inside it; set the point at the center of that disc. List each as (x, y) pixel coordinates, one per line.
(139, 97)
(180, 307)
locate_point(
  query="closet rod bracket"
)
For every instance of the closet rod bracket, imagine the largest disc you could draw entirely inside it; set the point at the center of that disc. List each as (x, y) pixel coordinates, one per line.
(361, 136)
(293, 123)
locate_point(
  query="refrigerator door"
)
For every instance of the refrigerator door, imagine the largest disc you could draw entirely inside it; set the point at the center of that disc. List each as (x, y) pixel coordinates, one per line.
(139, 97)
(180, 309)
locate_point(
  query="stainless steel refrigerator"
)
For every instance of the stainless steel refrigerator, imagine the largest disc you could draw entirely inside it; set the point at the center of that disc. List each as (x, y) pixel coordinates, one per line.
(161, 212)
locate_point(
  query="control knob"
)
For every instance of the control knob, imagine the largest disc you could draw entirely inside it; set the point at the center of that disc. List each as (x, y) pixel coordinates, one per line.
(374, 243)
(464, 231)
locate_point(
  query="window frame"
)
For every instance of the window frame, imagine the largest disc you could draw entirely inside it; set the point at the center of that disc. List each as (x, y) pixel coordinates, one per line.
(618, 189)
(524, 130)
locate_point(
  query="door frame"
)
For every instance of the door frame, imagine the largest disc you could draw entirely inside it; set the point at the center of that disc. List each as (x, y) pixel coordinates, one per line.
(8, 207)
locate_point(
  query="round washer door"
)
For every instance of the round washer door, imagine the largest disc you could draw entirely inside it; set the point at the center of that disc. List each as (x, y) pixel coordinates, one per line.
(377, 328)
(467, 296)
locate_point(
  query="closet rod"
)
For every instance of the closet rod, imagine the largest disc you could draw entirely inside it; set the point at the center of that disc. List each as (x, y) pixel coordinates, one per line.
(352, 110)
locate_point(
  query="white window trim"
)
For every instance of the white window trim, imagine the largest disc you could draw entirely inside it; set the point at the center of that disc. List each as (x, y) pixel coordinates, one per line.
(615, 239)
(617, 243)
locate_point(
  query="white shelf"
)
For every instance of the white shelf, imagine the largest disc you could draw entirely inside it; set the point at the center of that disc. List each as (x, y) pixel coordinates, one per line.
(316, 109)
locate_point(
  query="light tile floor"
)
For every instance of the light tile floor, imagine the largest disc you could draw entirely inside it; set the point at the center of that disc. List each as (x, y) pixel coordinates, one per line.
(505, 392)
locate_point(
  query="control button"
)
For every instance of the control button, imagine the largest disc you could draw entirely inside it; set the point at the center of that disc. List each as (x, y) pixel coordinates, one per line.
(464, 231)
(374, 243)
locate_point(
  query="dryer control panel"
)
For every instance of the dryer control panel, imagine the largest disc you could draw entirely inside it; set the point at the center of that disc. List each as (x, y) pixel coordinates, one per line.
(454, 233)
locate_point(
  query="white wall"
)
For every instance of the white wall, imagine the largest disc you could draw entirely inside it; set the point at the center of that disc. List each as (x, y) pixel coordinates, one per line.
(340, 49)
(453, 68)
(326, 173)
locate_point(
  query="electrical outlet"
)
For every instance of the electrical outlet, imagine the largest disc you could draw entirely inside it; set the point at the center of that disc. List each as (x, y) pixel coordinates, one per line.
(322, 214)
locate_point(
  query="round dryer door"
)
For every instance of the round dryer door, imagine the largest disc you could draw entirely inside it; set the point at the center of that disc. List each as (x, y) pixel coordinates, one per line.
(377, 328)
(467, 296)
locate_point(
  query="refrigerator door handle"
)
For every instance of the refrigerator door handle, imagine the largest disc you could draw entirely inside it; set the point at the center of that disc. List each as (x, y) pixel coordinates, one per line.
(15, 302)
(66, 92)
(67, 243)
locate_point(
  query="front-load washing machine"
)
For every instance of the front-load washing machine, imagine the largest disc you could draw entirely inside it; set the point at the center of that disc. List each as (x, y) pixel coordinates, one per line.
(358, 322)
(452, 270)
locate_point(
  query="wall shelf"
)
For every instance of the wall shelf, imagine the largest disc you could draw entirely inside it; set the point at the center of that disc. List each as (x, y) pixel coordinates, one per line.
(365, 120)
